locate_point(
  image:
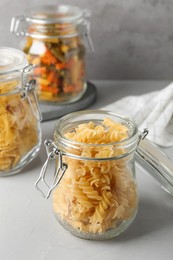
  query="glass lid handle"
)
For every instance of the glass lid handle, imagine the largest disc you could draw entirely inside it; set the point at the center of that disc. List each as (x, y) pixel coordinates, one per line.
(156, 163)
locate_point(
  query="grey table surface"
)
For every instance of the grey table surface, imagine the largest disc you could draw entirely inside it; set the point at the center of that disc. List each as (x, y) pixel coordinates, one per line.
(29, 231)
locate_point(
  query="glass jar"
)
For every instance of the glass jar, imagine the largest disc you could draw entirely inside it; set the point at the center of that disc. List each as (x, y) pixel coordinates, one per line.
(94, 185)
(97, 196)
(55, 43)
(20, 132)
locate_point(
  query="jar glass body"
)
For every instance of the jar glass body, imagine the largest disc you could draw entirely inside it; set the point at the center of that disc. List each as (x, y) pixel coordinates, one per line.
(20, 131)
(60, 71)
(97, 196)
(55, 44)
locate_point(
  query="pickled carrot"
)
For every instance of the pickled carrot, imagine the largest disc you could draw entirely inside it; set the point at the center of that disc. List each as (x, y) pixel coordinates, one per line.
(48, 58)
(52, 77)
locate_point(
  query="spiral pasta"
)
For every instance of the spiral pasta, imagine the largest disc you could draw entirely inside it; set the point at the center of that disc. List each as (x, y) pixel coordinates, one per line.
(93, 195)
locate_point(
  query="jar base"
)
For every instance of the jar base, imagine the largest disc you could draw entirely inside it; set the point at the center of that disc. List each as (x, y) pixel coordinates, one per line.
(55, 110)
(23, 163)
(64, 99)
(109, 234)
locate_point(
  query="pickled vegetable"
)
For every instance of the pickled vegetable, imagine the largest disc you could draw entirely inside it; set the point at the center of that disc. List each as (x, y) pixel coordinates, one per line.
(60, 70)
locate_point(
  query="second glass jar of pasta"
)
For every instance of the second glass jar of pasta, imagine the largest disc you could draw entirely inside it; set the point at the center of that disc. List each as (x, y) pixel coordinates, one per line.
(55, 43)
(20, 131)
(94, 186)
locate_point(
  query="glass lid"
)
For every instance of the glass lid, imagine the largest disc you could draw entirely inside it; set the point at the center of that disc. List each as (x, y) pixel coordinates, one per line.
(11, 60)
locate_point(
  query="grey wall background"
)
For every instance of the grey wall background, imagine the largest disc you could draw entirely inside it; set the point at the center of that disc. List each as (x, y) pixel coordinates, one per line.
(133, 39)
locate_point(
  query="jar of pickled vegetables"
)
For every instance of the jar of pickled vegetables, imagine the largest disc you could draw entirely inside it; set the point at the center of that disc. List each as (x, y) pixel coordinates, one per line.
(94, 187)
(20, 133)
(55, 43)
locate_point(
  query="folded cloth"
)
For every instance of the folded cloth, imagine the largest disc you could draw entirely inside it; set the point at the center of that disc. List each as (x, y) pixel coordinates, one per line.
(153, 111)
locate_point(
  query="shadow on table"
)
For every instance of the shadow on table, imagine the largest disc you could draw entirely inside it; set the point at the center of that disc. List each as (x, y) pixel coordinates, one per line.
(149, 219)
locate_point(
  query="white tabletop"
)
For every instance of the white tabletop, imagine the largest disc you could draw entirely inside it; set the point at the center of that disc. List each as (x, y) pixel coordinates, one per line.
(29, 231)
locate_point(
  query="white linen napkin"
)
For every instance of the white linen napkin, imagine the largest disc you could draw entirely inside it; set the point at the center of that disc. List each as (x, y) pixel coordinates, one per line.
(153, 111)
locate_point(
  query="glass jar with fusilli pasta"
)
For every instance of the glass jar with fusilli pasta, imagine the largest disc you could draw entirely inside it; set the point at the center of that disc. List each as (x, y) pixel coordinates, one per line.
(20, 131)
(94, 187)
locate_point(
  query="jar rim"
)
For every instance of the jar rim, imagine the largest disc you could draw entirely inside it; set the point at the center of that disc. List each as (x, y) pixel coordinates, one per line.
(131, 139)
(52, 14)
(11, 60)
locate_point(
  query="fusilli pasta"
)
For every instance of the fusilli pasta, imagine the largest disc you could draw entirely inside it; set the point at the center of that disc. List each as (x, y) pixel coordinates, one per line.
(95, 196)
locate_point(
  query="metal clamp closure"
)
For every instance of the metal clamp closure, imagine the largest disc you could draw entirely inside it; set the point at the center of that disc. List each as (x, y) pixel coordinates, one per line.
(52, 153)
(143, 135)
(29, 88)
(86, 36)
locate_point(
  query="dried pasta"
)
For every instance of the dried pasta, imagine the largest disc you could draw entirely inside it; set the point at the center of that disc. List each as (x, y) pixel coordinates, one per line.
(95, 196)
(18, 128)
